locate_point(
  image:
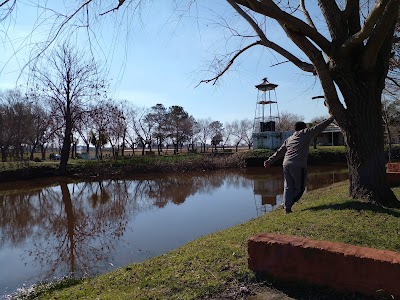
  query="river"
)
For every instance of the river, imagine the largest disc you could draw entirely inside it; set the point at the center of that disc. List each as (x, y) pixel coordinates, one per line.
(51, 228)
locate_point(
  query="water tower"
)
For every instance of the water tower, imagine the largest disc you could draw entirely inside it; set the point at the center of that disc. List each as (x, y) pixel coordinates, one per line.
(267, 113)
(266, 117)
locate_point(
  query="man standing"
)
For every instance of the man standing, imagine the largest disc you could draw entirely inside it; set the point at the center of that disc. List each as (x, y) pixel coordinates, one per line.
(295, 152)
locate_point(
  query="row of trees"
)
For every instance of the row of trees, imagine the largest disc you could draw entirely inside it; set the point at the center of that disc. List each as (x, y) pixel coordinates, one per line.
(68, 104)
(32, 123)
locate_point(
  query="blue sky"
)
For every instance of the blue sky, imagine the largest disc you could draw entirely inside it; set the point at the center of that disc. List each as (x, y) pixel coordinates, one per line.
(164, 57)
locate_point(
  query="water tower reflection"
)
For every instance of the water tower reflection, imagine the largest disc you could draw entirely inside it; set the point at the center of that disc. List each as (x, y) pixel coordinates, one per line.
(268, 185)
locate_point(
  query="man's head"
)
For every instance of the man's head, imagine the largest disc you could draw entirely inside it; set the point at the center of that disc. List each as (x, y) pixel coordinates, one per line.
(299, 126)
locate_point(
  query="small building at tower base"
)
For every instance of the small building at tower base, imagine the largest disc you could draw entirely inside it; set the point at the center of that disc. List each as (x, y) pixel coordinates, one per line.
(270, 139)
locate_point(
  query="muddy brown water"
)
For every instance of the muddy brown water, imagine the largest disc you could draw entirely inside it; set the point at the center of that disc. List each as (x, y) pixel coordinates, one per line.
(54, 227)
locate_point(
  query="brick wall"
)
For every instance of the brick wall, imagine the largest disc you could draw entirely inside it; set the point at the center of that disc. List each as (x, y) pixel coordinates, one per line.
(339, 266)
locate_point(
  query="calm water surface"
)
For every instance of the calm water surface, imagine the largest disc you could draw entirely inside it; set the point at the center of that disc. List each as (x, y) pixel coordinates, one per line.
(53, 228)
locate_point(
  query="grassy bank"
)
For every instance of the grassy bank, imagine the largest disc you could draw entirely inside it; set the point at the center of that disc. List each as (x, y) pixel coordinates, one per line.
(208, 267)
(79, 168)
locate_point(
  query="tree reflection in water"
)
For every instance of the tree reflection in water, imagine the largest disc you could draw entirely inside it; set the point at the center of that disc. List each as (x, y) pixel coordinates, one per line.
(73, 228)
(77, 233)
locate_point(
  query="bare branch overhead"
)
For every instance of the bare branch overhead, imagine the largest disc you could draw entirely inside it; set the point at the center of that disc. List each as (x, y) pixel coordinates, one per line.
(385, 23)
(324, 74)
(394, 81)
(306, 14)
(222, 72)
(5, 2)
(269, 9)
(120, 2)
(366, 30)
(333, 18)
(307, 67)
(8, 10)
(351, 15)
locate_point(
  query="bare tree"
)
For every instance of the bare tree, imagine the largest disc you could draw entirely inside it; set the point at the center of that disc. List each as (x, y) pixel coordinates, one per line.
(39, 125)
(391, 119)
(392, 86)
(102, 115)
(287, 121)
(142, 127)
(390, 103)
(16, 120)
(131, 137)
(236, 133)
(246, 126)
(205, 132)
(194, 133)
(69, 83)
(117, 128)
(227, 134)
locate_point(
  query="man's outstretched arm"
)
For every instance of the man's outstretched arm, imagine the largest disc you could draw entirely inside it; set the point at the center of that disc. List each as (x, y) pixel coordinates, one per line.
(278, 154)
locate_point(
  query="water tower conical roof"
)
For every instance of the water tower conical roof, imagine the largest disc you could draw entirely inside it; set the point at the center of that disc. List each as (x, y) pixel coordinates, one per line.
(266, 86)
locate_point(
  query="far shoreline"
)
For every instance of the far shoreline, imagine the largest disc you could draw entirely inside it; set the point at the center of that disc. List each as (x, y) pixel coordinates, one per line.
(81, 169)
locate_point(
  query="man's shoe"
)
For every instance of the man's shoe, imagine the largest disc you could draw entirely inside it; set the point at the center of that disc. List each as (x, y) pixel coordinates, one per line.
(288, 211)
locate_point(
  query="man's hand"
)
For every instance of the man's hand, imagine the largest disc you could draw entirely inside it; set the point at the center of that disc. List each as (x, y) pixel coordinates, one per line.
(267, 164)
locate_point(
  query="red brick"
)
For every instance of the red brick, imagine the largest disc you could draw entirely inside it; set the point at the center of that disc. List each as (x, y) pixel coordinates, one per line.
(393, 167)
(340, 266)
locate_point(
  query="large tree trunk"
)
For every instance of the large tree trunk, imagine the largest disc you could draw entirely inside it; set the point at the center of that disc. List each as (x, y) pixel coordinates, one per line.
(65, 152)
(32, 151)
(66, 144)
(43, 151)
(364, 138)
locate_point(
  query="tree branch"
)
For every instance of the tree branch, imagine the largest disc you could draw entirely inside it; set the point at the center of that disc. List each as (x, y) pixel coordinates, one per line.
(306, 14)
(4, 2)
(249, 19)
(229, 64)
(270, 9)
(267, 43)
(333, 17)
(357, 38)
(394, 81)
(120, 2)
(9, 9)
(351, 14)
(332, 99)
(306, 67)
(380, 32)
(350, 6)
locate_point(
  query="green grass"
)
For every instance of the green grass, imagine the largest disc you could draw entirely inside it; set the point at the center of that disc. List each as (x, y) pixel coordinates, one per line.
(215, 262)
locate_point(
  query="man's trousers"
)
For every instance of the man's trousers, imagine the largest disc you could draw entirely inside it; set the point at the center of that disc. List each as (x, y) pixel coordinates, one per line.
(294, 185)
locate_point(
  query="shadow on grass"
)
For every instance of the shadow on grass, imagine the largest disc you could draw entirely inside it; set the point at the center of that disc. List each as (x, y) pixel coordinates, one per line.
(307, 291)
(357, 206)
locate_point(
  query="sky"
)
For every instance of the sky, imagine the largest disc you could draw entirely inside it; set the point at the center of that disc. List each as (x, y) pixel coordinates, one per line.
(164, 56)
